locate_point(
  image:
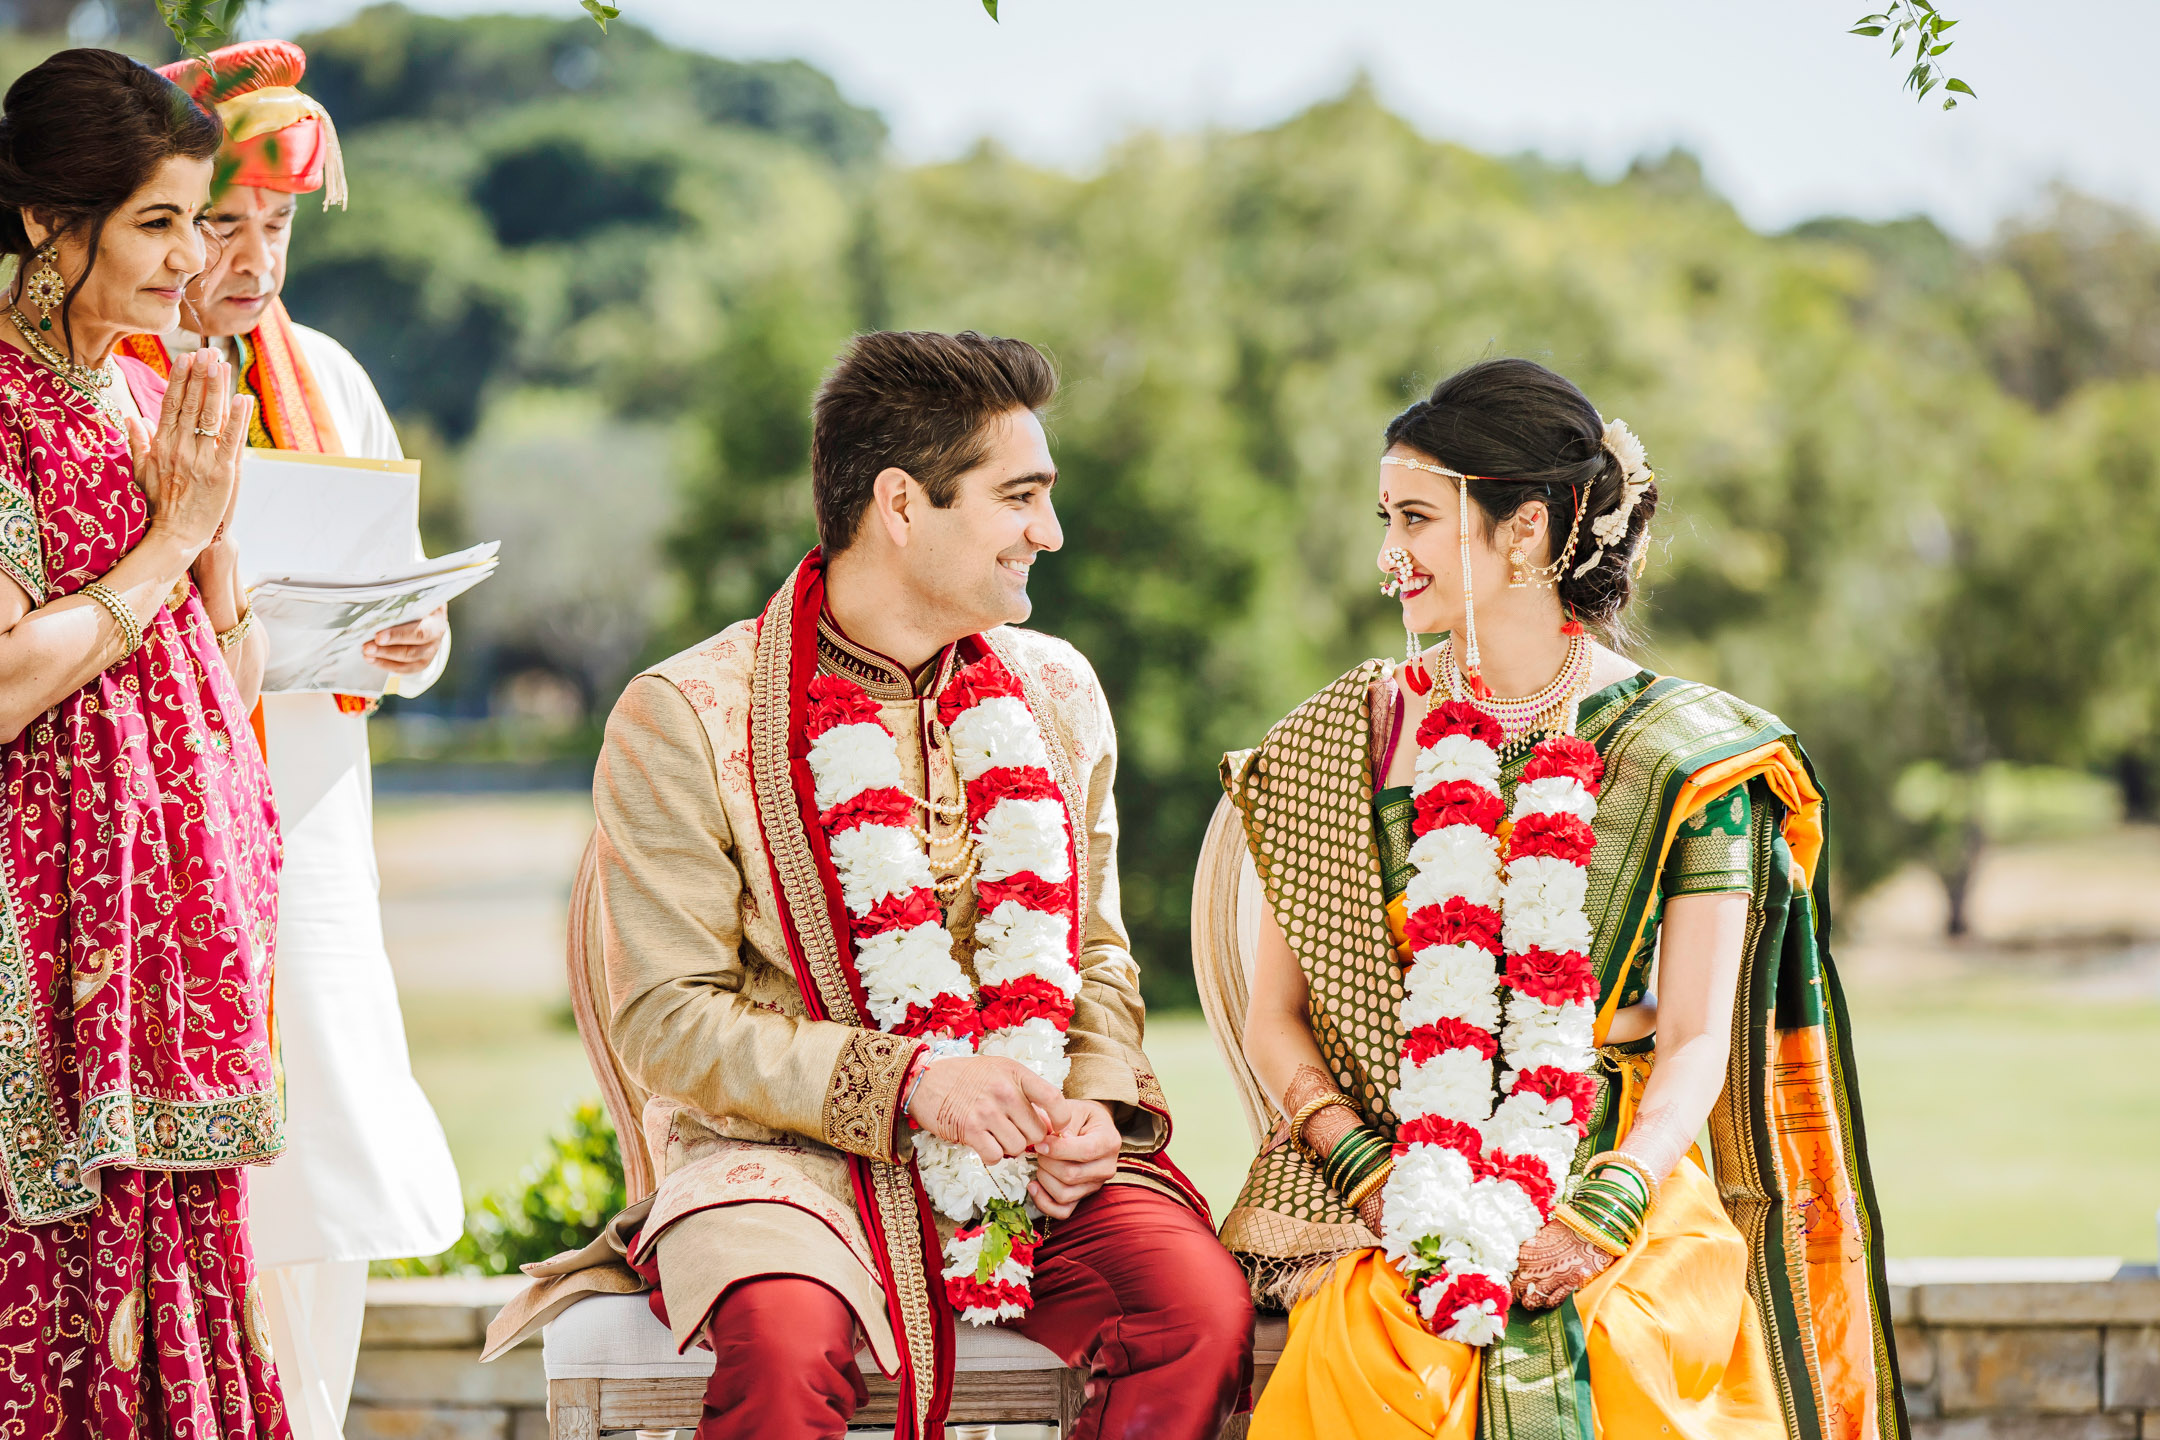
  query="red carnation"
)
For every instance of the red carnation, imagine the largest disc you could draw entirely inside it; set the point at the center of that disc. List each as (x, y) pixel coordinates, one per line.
(835, 700)
(1029, 889)
(1556, 977)
(1566, 755)
(1017, 1001)
(1550, 1082)
(965, 1292)
(1438, 1130)
(1459, 717)
(947, 1014)
(1465, 1291)
(1550, 832)
(1447, 1033)
(1525, 1170)
(881, 806)
(986, 679)
(900, 912)
(1457, 802)
(1458, 922)
(1007, 782)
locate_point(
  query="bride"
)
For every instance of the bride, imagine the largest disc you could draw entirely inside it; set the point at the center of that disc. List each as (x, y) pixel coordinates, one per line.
(1485, 1203)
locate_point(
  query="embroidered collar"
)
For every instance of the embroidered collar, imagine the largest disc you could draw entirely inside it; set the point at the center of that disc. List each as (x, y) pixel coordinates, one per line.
(885, 678)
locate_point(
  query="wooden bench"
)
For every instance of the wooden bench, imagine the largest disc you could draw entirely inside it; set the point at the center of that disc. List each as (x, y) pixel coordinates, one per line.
(612, 1367)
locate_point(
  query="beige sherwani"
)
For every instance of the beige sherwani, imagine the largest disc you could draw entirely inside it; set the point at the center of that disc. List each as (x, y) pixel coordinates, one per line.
(755, 1105)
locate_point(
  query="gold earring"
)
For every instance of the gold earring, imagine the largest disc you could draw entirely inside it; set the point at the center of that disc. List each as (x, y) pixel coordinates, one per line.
(44, 288)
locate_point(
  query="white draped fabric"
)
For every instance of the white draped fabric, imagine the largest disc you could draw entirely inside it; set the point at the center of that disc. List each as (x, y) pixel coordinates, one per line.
(367, 1174)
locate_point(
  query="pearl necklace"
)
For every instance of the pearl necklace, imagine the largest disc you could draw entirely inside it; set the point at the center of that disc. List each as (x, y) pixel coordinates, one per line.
(1550, 711)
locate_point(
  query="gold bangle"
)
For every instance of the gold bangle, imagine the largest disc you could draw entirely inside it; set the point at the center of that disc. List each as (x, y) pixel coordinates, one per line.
(123, 614)
(1586, 1231)
(1313, 1107)
(1630, 1164)
(226, 639)
(1372, 1182)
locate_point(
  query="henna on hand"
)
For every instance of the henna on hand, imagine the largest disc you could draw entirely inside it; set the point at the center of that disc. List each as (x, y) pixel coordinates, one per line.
(1554, 1264)
(1370, 1211)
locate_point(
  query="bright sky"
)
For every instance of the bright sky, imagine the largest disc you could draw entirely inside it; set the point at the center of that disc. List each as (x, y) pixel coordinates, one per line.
(1791, 116)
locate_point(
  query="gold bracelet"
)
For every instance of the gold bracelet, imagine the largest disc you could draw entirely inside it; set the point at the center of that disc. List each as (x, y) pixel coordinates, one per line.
(226, 639)
(123, 614)
(1313, 1107)
(1630, 1164)
(1372, 1182)
(1586, 1231)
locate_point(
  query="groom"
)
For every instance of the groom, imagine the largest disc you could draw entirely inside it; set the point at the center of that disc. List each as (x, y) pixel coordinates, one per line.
(790, 1225)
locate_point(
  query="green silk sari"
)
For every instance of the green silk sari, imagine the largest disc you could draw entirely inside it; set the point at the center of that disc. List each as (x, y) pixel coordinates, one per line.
(1789, 1150)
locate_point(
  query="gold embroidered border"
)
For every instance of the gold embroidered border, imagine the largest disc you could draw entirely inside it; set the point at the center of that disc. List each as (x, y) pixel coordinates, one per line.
(38, 1157)
(863, 1097)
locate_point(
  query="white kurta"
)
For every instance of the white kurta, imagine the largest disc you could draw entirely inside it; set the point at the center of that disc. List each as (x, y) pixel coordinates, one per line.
(366, 1174)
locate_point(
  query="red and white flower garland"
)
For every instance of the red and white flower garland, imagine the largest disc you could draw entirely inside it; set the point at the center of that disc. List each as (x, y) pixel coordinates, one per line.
(1026, 935)
(1473, 1181)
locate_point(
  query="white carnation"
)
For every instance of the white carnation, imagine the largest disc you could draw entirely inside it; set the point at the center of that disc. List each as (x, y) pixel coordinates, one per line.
(849, 759)
(1457, 757)
(900, 968)
(958, 1182)
(1427, 1193)
(998, 731)
(1015, 940)
(1037, 1044)
(1542, 905)
(1554, 795)
(874, 861)
(1452, 980)
(1454, 860)
(1455, 1084)
(1023, 835)
(1557, 1035)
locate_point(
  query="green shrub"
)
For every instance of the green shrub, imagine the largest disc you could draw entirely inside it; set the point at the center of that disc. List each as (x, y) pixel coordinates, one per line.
(559, 1203)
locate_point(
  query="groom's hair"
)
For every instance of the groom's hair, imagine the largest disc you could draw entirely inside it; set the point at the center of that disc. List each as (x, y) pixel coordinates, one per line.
(917, 400)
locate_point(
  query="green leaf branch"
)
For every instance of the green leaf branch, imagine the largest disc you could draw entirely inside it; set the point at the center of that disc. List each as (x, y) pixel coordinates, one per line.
(1919, 24)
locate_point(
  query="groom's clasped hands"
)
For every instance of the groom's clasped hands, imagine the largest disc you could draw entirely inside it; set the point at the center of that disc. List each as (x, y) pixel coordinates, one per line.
(999, 1108)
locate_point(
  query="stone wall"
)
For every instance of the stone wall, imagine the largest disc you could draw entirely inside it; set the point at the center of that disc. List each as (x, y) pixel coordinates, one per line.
(1992, 1350)
(2029, 1349)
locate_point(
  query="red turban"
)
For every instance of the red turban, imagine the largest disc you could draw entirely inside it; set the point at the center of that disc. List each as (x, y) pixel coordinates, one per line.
(275, 137)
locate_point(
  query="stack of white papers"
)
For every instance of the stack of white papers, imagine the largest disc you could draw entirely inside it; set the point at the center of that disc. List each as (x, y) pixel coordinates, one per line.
(317, 623)
(327, 553)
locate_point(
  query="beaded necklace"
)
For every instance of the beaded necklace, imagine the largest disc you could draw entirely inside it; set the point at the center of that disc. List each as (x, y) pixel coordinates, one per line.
(1550, 711)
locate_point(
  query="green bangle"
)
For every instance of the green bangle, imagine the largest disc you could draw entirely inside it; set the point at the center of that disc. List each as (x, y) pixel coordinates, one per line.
(1609, 1214)
(1353, 1159)
(1350, 1157)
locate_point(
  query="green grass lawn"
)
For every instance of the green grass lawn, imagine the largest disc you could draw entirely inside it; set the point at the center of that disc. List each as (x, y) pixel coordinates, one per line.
(2002, 1122)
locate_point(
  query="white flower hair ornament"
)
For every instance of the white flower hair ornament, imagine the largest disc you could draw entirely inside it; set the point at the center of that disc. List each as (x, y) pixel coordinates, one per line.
(1610, 528)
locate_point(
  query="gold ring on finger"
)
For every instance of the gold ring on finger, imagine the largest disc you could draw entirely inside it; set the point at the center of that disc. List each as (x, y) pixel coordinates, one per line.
(206, 433)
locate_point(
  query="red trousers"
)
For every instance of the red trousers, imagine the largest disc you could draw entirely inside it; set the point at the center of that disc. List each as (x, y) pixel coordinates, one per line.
(1134, 1287)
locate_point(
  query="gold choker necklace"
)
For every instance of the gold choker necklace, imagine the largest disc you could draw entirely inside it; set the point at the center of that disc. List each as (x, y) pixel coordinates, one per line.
(89, 381)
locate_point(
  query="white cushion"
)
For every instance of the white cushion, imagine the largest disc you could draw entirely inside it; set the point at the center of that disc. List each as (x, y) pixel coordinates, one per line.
(616, 1337)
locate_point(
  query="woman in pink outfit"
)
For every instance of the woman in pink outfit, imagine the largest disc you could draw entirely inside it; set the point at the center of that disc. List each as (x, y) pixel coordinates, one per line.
(140, 847)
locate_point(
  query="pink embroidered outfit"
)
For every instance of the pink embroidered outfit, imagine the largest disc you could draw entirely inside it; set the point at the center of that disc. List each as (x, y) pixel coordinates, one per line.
(140, 851)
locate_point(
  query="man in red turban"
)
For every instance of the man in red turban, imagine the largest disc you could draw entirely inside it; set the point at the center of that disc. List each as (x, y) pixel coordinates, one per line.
(367, 1174)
